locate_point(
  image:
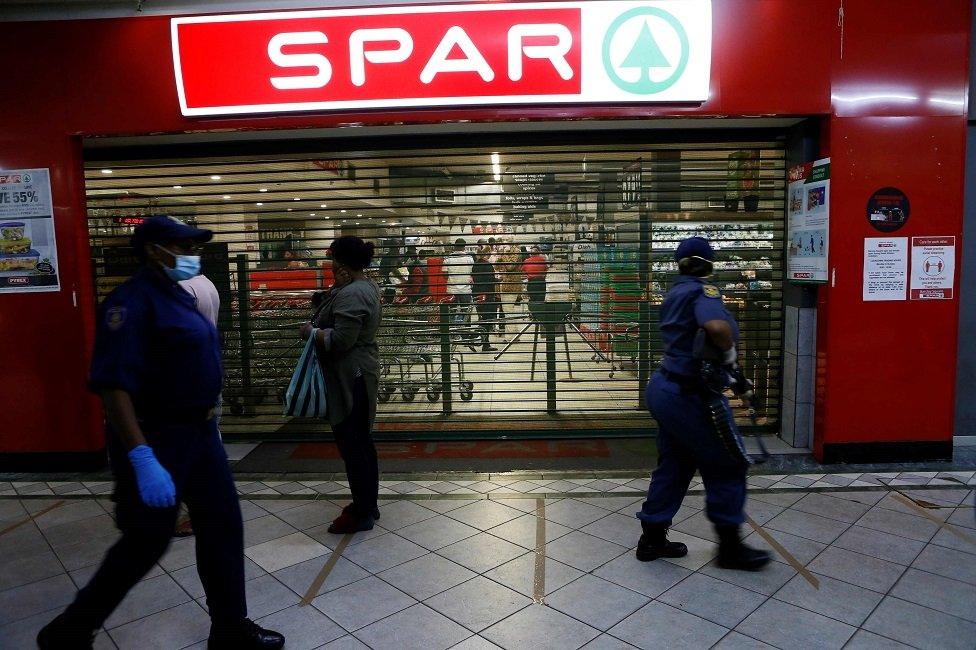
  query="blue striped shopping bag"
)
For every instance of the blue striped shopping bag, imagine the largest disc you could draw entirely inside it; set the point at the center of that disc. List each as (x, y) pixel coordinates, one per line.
(305, 397)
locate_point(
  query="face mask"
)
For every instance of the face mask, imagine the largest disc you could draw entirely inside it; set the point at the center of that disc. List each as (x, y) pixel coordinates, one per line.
(187, 266)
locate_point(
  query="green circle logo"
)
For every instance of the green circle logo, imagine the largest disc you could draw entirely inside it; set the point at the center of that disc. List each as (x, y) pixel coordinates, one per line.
(645, 53)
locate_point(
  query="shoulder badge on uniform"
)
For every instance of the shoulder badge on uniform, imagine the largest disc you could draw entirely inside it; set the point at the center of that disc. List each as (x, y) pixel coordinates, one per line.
(711, 291)
(115, 318)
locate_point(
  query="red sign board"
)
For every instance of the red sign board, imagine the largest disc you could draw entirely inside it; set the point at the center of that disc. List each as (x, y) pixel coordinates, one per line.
(443, 55)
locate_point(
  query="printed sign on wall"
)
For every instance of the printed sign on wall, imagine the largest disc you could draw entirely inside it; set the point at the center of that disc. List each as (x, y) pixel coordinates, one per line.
(808, 212)
(885, 268)
(443, 55)
(28, 252)
(933, 268)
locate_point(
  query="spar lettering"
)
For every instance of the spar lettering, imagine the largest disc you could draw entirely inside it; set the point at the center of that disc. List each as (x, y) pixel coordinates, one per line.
(396, 45)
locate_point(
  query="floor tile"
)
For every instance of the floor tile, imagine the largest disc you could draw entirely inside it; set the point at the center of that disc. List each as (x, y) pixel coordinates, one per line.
(784, 499)
(761, 512)
(890, 502)
(766, 581)
(519, 574)
(833, 598)
(920, 626)
(946, 539)
(964, 518)
(265, 595)
(624, 505)
(147, 597)
(618, 528)
(738, 641)
(304, 628)
(348, 642)
(40, 564)
(648, 578)
(941, 594)
(607, 642)
(84, 553)
(802, 524)
(864, 640)
(275, 506)
(416, 628)
(437, 533)
(285, 551)
(172, 628)
(658, 625)
(713, 599)
(383, 552)
(596, 602)
(898, 523)
(444, 506)
(310, 515)
(478, 603)
(787, 626)
(426, 576)
(522, 531)
(476, 643)
(827, 506)
(69, 533)
(861, 570)
(699, 526)
(36, 597)
(399, 514)
(585, 552)
(322, 535)
(299, 577)
(485, 514)
(801, 548)
(573, 513)
(264, 529)
(69, 512)
(884, 546)
(481, 552)
(947, 562)
(361, 603)
(540, 627)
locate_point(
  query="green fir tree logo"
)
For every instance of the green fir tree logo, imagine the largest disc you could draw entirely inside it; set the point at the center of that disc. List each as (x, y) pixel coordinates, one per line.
(645, 54)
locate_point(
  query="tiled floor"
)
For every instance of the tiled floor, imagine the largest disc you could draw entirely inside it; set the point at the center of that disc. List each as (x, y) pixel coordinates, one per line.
(460, 570)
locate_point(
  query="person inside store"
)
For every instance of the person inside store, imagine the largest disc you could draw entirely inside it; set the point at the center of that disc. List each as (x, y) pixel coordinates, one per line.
(696, 430)
(509, 269)
(416, 286)
(459, 281)
(485, 295)
(344, 328)
(535, 268)
(493, 258)
(157, 366)
(293, 260)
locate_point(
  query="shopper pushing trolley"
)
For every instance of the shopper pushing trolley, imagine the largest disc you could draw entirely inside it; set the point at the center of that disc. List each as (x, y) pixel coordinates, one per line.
(696, 430)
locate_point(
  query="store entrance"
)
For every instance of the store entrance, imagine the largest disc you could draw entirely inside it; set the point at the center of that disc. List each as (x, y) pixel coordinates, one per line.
(520, 280)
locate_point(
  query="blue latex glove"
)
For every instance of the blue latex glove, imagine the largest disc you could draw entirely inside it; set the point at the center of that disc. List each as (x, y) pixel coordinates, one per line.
(155, 484)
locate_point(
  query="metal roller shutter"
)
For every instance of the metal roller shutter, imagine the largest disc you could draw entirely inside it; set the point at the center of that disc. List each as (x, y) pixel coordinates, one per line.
(606, 218)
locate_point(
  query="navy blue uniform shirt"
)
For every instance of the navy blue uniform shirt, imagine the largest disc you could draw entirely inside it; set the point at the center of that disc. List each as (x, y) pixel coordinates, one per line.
(151, 342)
(689, 304)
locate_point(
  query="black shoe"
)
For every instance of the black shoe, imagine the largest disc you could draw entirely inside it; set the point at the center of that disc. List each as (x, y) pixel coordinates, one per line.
(376, 512)
(246, 635)
(62, 634)
(733, 554)
(489, 348)
(654, 544)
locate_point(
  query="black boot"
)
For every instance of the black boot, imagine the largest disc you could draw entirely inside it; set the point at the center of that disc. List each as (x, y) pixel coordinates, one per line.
(64, 634)
(246, 635)
(733, 554)
(654, 544)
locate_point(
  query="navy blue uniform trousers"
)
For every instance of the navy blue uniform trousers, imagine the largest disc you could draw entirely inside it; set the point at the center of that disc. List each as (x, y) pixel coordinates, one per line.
(686, 442)
(194, 456)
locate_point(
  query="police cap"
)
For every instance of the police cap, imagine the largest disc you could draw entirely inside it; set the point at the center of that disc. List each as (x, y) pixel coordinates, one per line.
(165, 229)
(695, 247)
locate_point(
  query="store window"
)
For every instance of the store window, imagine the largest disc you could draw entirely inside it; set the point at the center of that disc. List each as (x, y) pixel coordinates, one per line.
(521, 283)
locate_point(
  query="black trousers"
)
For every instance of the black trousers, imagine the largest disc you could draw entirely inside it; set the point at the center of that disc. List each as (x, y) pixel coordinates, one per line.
(536, 288)
(354, 437)
(195, 458)
(488, 313)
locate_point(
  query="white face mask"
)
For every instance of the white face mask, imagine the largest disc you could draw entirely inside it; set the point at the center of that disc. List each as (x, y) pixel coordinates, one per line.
(186, 266)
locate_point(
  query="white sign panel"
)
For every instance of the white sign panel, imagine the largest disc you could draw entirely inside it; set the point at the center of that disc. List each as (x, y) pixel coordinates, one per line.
(885, 268)
(933, 267)
(808, 213)
(28, 253)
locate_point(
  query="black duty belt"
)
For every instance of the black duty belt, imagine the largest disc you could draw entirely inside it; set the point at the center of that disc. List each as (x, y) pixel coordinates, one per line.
(178, 416)
(688, 383)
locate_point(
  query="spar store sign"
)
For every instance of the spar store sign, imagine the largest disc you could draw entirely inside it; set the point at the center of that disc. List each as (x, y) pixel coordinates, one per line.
(448, 55)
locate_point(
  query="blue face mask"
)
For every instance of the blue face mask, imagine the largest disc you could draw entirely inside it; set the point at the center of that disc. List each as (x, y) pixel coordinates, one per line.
(187, 266)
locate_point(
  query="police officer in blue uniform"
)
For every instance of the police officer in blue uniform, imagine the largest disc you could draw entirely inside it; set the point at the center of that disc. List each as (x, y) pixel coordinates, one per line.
(696, 430)
(157, 367)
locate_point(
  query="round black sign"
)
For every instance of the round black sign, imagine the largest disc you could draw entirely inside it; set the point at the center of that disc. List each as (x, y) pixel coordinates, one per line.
(888, 209)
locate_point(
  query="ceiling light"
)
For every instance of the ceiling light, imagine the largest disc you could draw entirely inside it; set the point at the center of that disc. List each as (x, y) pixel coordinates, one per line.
(357, 223)
(496, 166)
(177, 187)
(215, 178)
(359, 215)
(311, 214)
(263, 189)
(259, 204)
(106, 171)
(289, 209)
(323, 206)
(342, 211)
(296, 199)
(226, 197)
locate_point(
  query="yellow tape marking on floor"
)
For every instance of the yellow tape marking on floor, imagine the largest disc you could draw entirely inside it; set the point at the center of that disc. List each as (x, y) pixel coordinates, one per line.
(313, 589)
(30, 518)
(786, 555)
(942, 524)
(539, 582)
